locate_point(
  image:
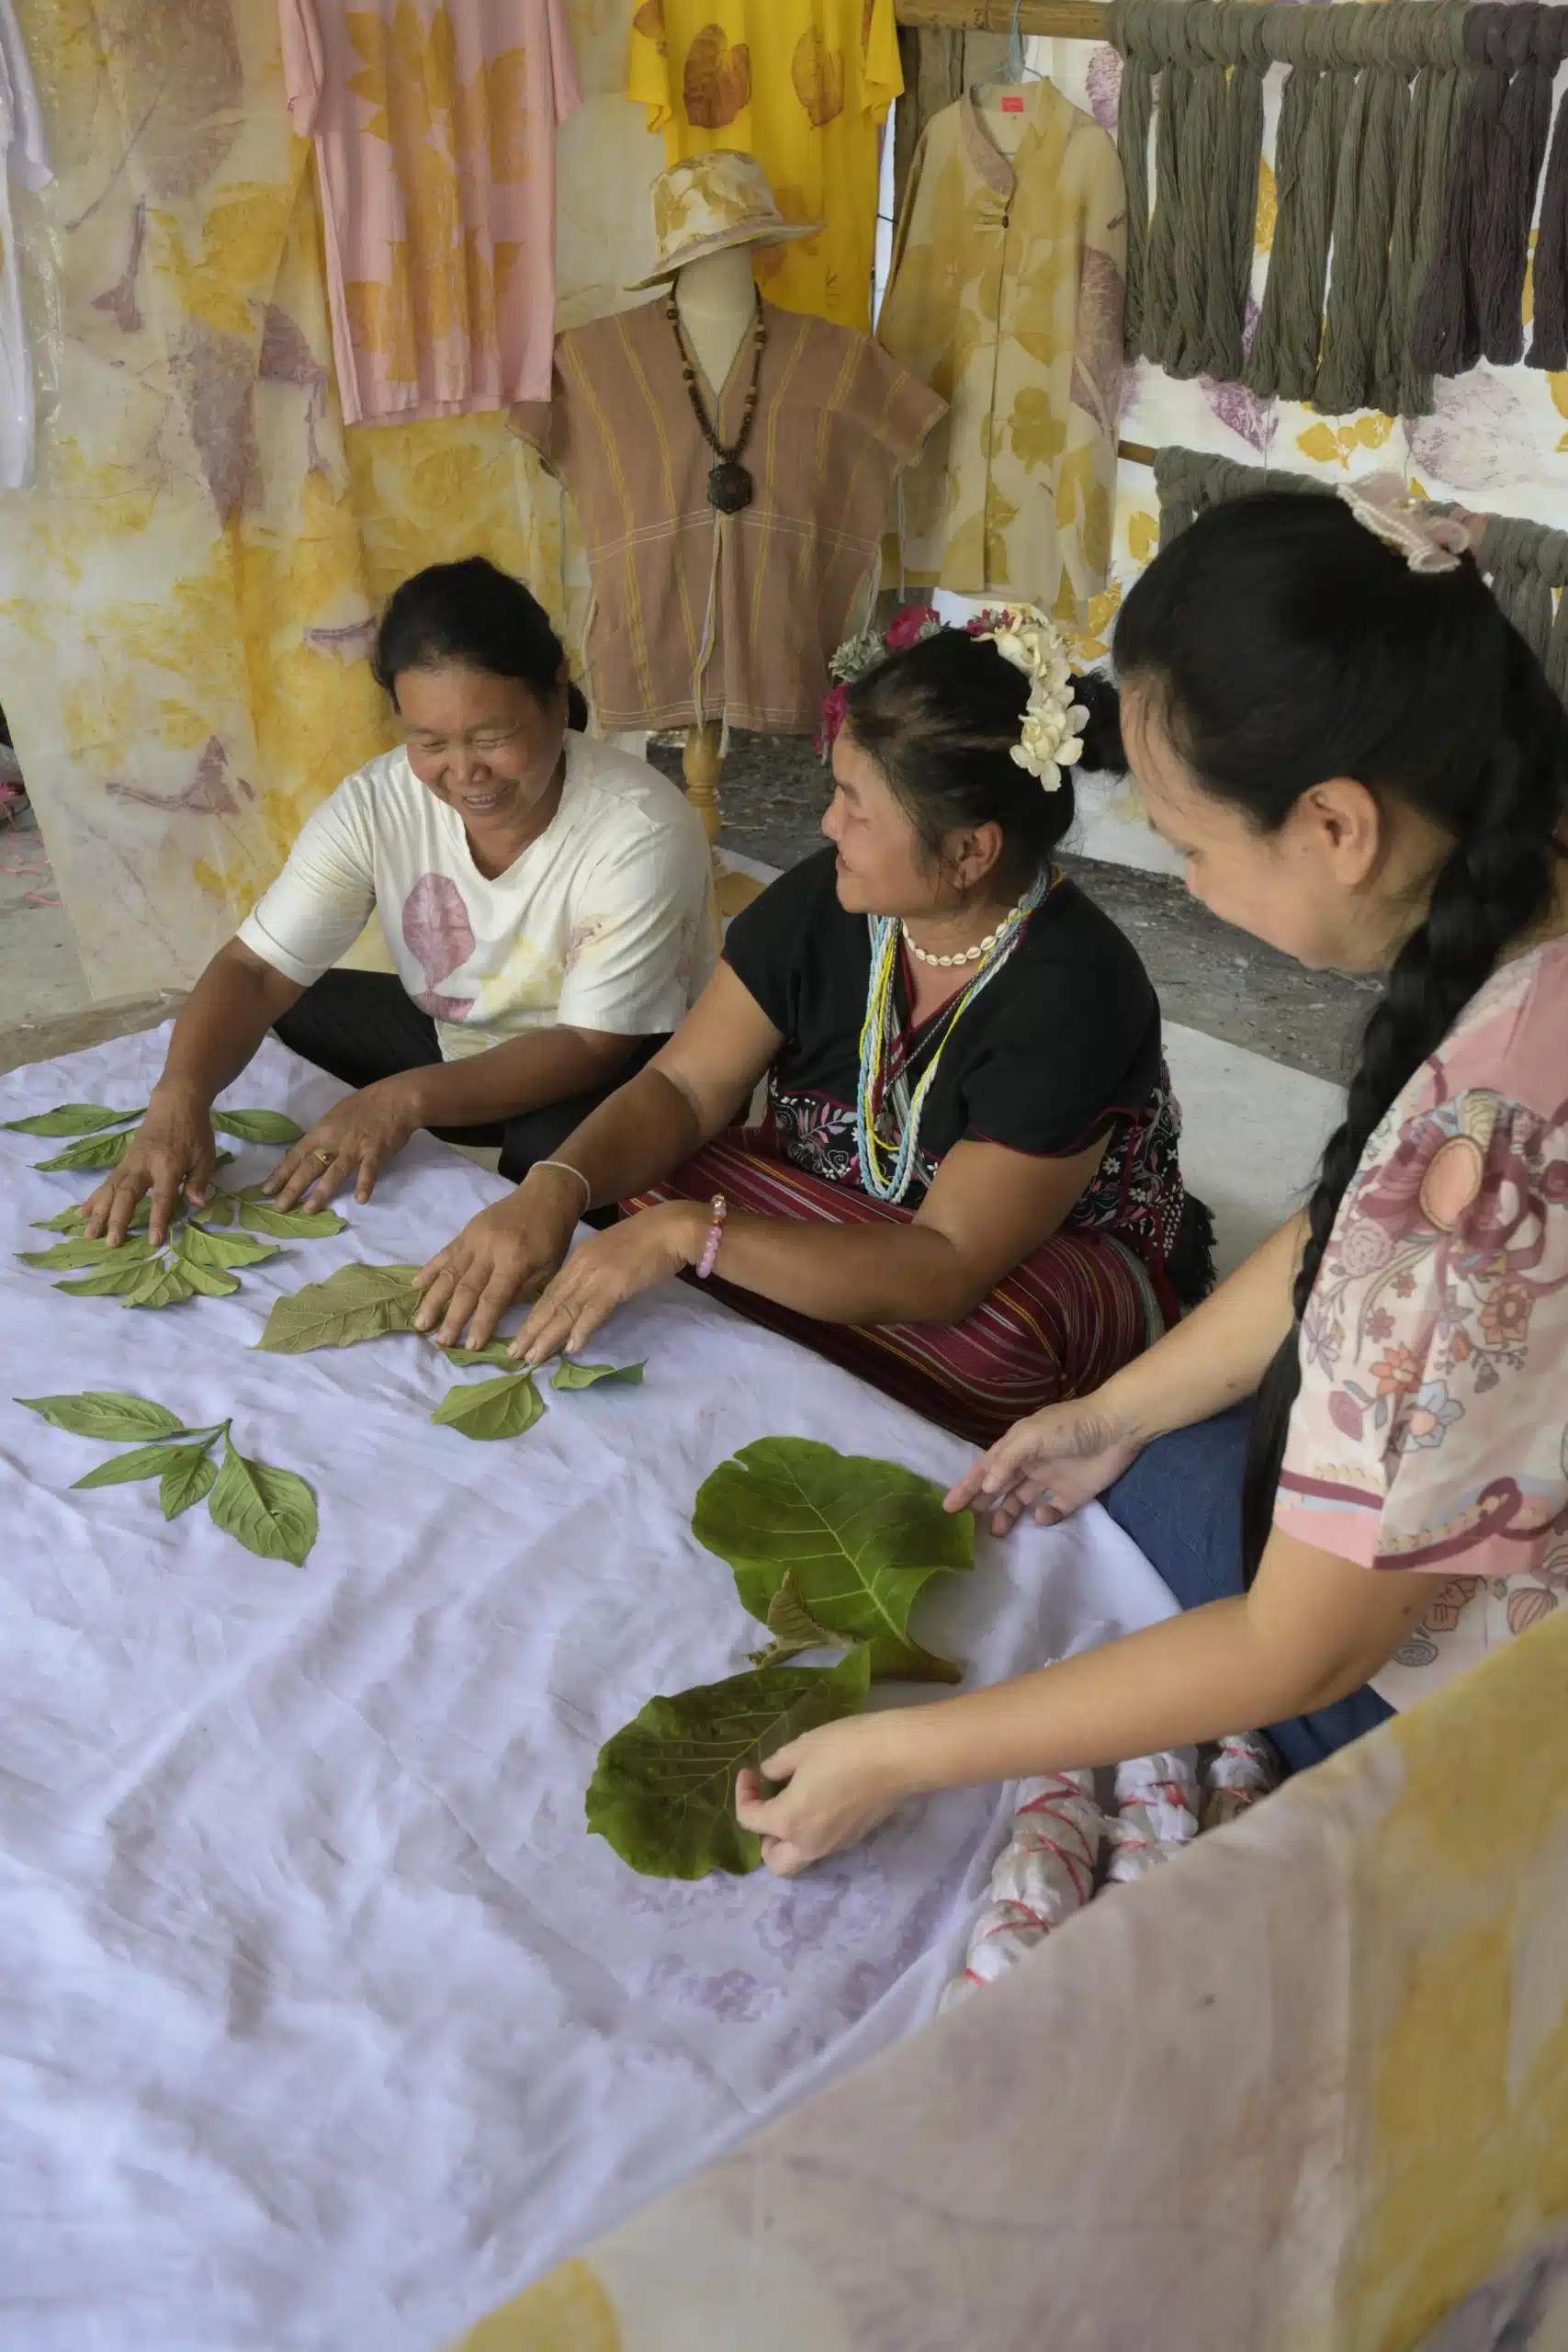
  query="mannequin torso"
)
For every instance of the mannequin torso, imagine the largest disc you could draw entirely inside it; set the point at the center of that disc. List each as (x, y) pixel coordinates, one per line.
(717, 300)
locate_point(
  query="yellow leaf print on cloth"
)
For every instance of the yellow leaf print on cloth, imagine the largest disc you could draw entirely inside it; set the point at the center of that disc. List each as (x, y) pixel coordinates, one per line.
(818, 73)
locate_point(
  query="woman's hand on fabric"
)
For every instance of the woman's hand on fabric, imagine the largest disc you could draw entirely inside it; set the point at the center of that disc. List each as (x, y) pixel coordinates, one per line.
(648, 1247)
(349, 1146)
(1052, 1463)
(840, 1781)
(504, 1253)
(172, 1151)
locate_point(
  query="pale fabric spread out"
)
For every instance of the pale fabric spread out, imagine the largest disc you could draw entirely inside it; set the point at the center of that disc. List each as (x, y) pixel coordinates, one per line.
(435, 136)
(1006, 298)
(803, 85)
(1431, 1428)
(326, 2022)
(605, 922)
(25, 154)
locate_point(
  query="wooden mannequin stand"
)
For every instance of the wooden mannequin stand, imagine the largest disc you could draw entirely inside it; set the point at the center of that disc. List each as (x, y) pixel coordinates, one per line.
(702, 764)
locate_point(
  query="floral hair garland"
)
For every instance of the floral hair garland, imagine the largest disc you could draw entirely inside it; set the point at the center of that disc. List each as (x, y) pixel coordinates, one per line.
(1054, 721)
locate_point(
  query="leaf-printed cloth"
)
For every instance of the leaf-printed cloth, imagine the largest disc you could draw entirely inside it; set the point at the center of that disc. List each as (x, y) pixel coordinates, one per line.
(1431, 1428)
(805, 85)
(436, 138)
(326, 2020)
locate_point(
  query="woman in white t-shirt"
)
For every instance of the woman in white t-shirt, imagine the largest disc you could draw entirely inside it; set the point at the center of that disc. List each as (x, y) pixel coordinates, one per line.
(547, 901)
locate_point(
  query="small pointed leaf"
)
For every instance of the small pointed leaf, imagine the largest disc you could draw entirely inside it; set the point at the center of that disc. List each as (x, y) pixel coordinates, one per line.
(221, 1251)
(114, 1279)
(270, 1511)
(212, 1281)
(188, 1480)
(143, 1462)
(490, 1408)
(589, 1375)
(496, 1350)
(105, 1413)
(162, 1284)
(257, 1127)
(79, 1252)
(92, 1152)
(663, 1789)
(288, 1225)
(359, 1302)
(218, 1209)
(72, 1119)
(793, 1627)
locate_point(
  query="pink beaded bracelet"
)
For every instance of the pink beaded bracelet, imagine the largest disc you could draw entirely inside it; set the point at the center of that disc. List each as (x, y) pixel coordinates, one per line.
(715, 1235)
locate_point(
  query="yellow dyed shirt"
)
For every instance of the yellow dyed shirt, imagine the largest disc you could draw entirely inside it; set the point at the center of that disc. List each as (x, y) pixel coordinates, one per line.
(803, 85)
(1007, 298)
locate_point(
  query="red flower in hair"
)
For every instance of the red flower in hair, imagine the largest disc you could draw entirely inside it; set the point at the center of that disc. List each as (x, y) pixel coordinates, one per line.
(835, 702)
(907, 627)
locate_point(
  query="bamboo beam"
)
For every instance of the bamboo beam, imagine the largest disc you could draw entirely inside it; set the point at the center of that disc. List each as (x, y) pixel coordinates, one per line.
(1056, 19)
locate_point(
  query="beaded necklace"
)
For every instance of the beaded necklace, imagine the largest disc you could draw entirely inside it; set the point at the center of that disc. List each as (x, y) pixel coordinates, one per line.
(730, 486)
(878, 1037)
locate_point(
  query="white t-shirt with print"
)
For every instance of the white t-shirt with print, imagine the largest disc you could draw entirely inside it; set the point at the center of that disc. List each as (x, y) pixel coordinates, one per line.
(607, 921)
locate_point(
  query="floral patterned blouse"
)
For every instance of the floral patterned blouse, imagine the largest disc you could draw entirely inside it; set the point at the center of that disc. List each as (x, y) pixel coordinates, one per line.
(1431, 1431)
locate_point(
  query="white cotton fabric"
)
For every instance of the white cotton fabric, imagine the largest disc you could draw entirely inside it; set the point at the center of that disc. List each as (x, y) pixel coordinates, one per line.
(323, 2020)
(605, 923)
(24, 157)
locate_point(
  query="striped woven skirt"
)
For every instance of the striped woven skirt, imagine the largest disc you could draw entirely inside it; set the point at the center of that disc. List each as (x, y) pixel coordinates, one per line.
(1078, 1309)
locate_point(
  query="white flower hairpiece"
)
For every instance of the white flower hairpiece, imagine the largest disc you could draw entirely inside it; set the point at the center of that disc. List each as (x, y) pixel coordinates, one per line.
(1428, 541)
(1054, 722)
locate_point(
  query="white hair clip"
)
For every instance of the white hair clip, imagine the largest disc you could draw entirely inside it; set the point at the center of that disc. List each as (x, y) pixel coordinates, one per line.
(1428, 541)
(1054, 722)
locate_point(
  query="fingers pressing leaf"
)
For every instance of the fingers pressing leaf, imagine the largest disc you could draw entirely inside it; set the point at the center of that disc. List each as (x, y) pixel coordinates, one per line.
(568, 1374)
(105, 1413)
(219, 1210)
(72, 1119)
(257, 1127)
(491, 1408)
(272, 1513)
(288, 1225)
(494, 1352)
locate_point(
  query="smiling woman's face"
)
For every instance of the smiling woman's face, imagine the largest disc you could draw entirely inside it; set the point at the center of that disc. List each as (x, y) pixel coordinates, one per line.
(486, 745)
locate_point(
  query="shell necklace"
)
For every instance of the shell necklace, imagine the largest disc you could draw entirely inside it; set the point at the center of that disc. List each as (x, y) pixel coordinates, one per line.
(968, 955)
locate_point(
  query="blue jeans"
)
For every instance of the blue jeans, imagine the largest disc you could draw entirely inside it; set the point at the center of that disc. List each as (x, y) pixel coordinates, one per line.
(1180, 1502)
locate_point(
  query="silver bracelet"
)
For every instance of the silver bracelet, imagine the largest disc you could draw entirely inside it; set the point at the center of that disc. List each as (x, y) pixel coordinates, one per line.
(566, 1169)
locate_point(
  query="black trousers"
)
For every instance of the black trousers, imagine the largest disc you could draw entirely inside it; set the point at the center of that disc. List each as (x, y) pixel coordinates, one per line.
(363, 1027)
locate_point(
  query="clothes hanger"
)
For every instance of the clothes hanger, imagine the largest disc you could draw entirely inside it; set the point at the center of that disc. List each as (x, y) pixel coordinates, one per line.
(1015, 69)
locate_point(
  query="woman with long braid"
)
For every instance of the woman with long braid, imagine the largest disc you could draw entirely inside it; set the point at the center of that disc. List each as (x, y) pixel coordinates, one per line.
(1363, 764)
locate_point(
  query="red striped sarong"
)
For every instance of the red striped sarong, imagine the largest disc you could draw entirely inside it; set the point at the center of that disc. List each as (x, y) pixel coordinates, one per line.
(1078, 1309)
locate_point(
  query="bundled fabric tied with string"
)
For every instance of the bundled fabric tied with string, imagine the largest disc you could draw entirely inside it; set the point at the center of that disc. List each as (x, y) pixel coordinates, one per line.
(1471, 307)
(1365, 133)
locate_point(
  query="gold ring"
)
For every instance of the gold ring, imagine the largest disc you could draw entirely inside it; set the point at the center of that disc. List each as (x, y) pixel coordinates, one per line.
(326, 1157)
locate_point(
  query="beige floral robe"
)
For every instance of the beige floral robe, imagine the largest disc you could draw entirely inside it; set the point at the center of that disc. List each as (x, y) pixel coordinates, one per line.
(1006, 298)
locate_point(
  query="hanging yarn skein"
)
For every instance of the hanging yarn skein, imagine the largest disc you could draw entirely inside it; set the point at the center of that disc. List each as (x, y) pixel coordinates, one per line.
(1360, 172)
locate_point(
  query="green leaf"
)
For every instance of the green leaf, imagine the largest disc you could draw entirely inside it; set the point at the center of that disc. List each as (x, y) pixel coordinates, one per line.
(860, 1538)
(493, 1351)
(72, 1219)
(589, 1375)
(162, 1284)
(359, 1302)
(212, 1281)
(114, 1279)
(288, 1225)
(270, 1511)
(105, 1413)
(488, 1409)
(221, 1251)
(92, 1151)
(793, 1627)
(72, 1119)
(80, 1252)
(257, 1127)
(188, 1478)
(219, 1210)
(143, 1462)
(663, 1789)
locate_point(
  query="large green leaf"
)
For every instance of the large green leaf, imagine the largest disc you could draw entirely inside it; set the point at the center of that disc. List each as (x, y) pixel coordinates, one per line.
(489, 1409)
(663, 1789)
(187, 1478)
(257, 1127)
(858, 1537)
(141, 1462)
(221, 1251)
(589, 1375)
(106, 1413)
(72, 1119)
(359, 1302)
(162, 1284)
(114, 1278)
(92, 1151)
(270, 1511)
(79, 1252)
(258, 1215)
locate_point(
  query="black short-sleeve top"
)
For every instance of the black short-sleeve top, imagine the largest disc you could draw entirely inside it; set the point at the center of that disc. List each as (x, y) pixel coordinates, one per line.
(1061, 1046)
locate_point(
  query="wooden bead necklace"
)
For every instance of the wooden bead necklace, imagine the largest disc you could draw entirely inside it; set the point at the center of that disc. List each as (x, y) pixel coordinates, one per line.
(730, 486)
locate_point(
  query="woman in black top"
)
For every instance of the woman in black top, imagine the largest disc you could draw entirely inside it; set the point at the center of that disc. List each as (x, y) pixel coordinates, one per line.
(965, 1186)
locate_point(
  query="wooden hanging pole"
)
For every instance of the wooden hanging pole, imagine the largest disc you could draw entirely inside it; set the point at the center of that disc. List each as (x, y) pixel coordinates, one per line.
(1056, 19)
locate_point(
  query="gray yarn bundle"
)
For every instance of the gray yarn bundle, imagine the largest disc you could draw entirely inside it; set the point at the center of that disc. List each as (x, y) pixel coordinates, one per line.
(1527, 563)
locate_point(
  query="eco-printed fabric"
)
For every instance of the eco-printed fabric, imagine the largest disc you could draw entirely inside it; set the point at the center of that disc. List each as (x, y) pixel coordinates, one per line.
(24, 157)
(605, 923)
(322, 2019)
(435, 141)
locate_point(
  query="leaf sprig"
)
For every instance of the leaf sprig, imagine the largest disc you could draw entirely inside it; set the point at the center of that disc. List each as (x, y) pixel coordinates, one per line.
(98, 1148)
(200, 1258)
(271, 1511)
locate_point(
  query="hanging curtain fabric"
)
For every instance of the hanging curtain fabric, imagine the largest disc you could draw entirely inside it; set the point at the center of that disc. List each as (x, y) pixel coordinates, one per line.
(24, 156)
(1361, 174)
(1527, 563)
(803, 85)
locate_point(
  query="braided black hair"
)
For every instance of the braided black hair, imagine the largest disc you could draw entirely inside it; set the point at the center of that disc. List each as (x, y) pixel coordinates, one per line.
(1284, 645)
